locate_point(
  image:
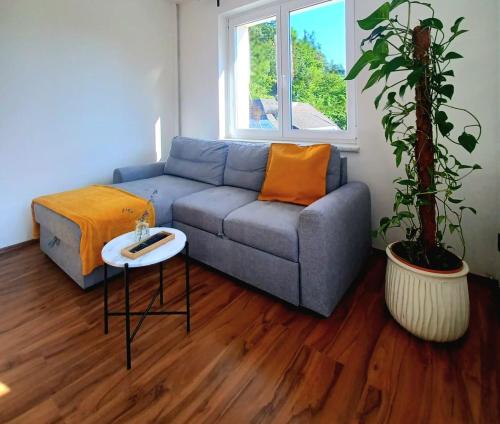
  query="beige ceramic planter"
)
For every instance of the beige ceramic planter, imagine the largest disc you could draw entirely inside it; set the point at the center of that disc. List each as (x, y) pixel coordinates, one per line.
(430, 305)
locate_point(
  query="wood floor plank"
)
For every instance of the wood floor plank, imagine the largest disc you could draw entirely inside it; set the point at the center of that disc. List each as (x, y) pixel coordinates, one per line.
(249, 358)
(45, 412)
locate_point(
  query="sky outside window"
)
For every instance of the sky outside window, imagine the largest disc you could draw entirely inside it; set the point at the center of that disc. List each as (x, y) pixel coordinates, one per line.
(327, 22)
(318, 62)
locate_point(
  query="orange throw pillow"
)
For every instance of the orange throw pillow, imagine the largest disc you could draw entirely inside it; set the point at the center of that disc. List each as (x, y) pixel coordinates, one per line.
(296, 174)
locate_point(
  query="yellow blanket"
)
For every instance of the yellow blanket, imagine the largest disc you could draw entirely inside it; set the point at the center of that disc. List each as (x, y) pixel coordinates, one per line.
(101, 212)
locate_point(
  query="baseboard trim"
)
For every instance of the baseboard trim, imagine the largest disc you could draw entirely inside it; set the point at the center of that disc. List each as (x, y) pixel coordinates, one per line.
(488, 278)
(17, 246)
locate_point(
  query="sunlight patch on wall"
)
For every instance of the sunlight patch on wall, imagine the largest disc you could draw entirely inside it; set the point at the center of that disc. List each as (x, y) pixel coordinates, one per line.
(158, 139)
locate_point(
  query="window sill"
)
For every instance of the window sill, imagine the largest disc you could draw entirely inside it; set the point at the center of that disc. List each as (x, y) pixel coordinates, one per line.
(351, 147)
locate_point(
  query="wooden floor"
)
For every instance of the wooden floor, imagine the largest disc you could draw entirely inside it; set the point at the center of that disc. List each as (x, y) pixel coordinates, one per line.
(249, 358)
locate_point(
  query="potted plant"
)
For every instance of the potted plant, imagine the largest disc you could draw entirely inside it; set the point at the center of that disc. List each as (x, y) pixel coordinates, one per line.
(426, 283)
(142, 223)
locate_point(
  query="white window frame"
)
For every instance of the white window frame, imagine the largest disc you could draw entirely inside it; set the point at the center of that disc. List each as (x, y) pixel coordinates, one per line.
(281, 11)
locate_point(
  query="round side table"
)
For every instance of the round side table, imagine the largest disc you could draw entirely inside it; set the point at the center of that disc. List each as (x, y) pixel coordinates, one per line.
(111, 256)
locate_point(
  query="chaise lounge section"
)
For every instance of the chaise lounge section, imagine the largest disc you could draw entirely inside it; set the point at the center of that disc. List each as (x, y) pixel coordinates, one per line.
(307, 256)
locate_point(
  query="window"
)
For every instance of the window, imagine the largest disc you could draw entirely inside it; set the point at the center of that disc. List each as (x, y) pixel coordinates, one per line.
(255, 74)
(286, 66)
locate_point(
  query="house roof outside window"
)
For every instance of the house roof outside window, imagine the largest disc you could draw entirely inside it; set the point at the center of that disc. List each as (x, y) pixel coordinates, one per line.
(264, 114)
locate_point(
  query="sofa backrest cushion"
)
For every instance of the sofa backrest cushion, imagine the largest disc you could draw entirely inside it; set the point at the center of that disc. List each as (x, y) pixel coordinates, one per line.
(199, 160)
(333, 173)
(246, 165)
(343, 170)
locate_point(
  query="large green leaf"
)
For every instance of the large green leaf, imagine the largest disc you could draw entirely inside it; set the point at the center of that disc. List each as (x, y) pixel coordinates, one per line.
(381, 48)
(402, 90)
(407, 182)
(405, 214)
(376, 18)
(364, 60)
(447, 90)
(374, 78)
(441, 119)
(396, 3)
(376, 33)
(379, 97)
(445, 128)
(414, 76)
(462, 208)
(456, 25)
(394, 64)
(467, 141)
(438, 49)
(452, 55)
(391, 99)
(458, 33)
(432, 23)
(398, 152)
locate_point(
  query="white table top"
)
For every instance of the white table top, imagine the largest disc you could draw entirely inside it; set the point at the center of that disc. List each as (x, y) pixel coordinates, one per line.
(112, 256)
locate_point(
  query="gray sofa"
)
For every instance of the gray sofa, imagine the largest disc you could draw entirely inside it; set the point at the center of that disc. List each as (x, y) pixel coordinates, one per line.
(307, 256)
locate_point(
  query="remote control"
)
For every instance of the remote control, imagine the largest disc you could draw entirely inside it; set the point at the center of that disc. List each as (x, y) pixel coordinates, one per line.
(148, 242)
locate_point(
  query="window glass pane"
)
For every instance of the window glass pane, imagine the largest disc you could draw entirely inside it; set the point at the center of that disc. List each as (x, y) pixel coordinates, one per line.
(318, 62)
(255, 73)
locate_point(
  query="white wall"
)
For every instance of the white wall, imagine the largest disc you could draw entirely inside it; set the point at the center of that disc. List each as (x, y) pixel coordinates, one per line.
(476, 88)
(497, 47)
(82, 84)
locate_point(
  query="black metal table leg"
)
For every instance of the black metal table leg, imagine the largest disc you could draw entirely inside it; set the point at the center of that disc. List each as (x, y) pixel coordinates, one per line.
(188, 307)
(105, 298)
(161, 283)
(127, 315)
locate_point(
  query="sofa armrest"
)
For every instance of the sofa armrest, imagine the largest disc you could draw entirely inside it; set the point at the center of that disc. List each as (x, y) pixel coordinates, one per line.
(334, 242)
(139, 172)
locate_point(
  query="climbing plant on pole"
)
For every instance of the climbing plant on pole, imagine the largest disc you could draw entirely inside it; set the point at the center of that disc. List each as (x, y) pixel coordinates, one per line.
(413, 59)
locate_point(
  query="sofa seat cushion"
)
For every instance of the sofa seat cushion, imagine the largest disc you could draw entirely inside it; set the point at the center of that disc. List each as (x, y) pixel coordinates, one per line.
(267, 226)
(169, 188)
(207, 209)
